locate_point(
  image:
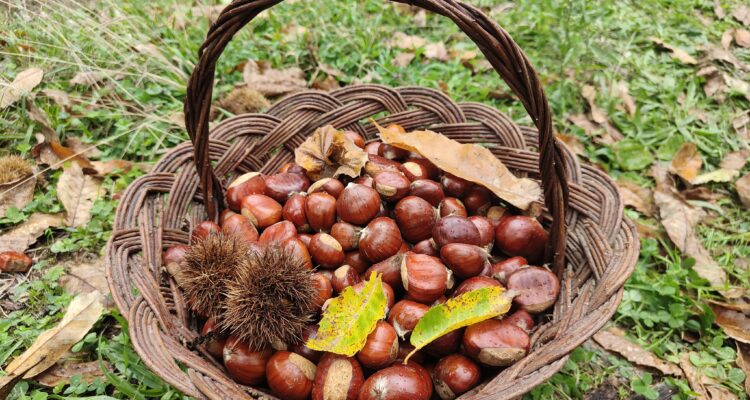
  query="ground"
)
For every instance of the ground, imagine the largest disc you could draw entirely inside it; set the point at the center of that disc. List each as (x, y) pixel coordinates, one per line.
(139, 55)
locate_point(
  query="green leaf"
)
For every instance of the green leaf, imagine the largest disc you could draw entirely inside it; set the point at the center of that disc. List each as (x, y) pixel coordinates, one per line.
(349, 318)
(632, 156)
(467, 309)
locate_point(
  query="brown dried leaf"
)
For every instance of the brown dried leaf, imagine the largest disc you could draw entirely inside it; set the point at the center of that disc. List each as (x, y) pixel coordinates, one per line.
(86, 277)
(88, 78)
(734, 323)
(24, 235)
(273, 82)
(407, 42)
(719, 10)
(17, 193)
(742, 37)
(687, 162)
(468, 161)
(61, 373)
(403, 59)
(327, 84)
(597, 114)
(329, 153)
(85, 149)
(583, 122)
(726, 39)
(77, 192)
(436, 51)
(735, 160)
(740, 125)
(640, 198)
(740, 306)
(743, 190)
(621, 91)
(613, 339)
(571, 142)
(58, 96)
(713, 54)
(707, 388)
(742, 14)
(23, 83)
(109, 167)
(702, 193)
(677, 53)
(743, 361)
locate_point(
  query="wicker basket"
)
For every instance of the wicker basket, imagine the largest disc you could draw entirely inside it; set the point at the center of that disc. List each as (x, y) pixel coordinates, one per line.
(592, 246)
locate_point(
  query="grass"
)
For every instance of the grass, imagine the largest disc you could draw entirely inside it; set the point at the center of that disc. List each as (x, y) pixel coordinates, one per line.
(130, 114)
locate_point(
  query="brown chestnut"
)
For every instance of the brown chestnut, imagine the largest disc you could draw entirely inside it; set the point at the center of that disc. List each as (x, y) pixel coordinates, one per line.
(262, 210)
(373, 148)
(241, 227)
(296, 247)
(404, 349)
(310, 332)
(356, 138)
(391, 185)
(171, 258)
(324, 288)
(495, 343)
(292, 168)
(337, 378)
(452, 206)
(397, 382)
(278, 233)
(455, 375)
(365, 180)
(503, 269)
(465, 260)
(332, 186)
(320, 209)
(380, 239)
(203, 229)
(346, 234)
(486, 231)
(390, 268)
(426, 247)
(404, 316)
(281, 186)
(415, 218)
(455, 186)
(294, 212)
(326, 251)
(455, 229)
(357, 261)
(477, 200)
(290, 376)
(343, 277)
(474, 283)
(425, 278)
(390, 296)
(358, 204)
(381, 348)
(537, 288)
(523, 236)
(419, 168)
(244, 185)
(214, 341)
(428, 190)
(244, 365)
(377, 164)
(446, 344)
(521, 319)
(392, 152)
(305, 238)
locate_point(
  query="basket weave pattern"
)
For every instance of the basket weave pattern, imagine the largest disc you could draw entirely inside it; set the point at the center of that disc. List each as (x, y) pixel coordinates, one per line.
(599, 246)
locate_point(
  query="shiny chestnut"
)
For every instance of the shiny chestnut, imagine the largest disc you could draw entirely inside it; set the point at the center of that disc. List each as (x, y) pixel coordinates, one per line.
(495, 343)
(278, 233)
(332, 186)
(428, 190)
(326, 251)
(415, 218)
(244, 365)
(397, 382)
(337, 378)
(203, 229)
(346, 234)
(474, 283)
(537, 288)
(380, 239)
(241, 227)
(358, 204)
(455, 229)
(392, 185)
(262, 210)
(455, 186)
(294, 212)
(244, 185)
(425, 278)
(281, 186)
(343, 277)
(523, 236)
(381, 347)
(404, 316)
(452, 206)
(455, 375)
(465, 260)
(290, 376)
(320, 209)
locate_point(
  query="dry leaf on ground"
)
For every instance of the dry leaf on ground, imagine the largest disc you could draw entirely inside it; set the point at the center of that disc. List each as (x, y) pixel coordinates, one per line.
(584, 123)
(739, 305)
(273, 82)
(77, 192)
(244, 100)
(407, 42)
(742, 14)
(713, 54)
(24, 235)
(740, 125)
(327, 84)
(621, 90)
(468, 161)
(85, 149)
(742, 37)
(597, 114)
(436, 51)
(743, 190)
(735, 160)
(572, 143)
(23, 83)
(87, 78)
(726, 39)
(403, 59)
(85, 277)
(707, 388)
(686, 163)
(734, 323)
(58, 96)
(61, 373)
(677, 53)
(109, 167)
(743, 361)
(328, 153)
(81, 315)
(719, 10)
(633, 195)
(613, 339)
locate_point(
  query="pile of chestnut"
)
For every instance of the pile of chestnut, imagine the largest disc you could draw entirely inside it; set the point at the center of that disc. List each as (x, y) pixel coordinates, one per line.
(430, 234)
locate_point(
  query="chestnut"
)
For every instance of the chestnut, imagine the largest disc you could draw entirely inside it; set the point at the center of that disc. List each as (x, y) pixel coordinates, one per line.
(465, 260)
(428, 190)
(320, 209)
(495, 214)
(171, 258)
(381, 348)
(294, 212)
(332, 186)
(455, 229)
(373, 148)
(390, 269)
(455, 375)
(280, 186)
(537, 288)
(305, 238)
(495, 343)
(419, 168)
(337, 378)
(346, 234)
(404, 316)
(415, 218)
(474, 283)
(310, 332)
(446, 344)
(225, 214)
(396, 127)
(425, 278)
(486, 231)
(377, 164)
(358, 204)
(203, 229)
(326, 251)
(296, 247)
(241, 227)
(244, 365)
(215, 341)
(404, 349)
(357, 261)
(244, 185)
(521, 319)
(365, 180)
(503, 269)
(262, 210)
(343, 277)
(392, 152)
(519, 235)
(426, 247)
(324, 288)
(452, 206)
(278, 233)
(356, 138)
(380, 239)
(290, 376)
(478, 200)
(397, 382)
(292, 168)
(455, 186)
(392, 185)
(390, 296)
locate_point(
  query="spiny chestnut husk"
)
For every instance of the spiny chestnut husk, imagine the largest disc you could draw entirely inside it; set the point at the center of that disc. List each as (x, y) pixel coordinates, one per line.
(208, 265)
(270, 300)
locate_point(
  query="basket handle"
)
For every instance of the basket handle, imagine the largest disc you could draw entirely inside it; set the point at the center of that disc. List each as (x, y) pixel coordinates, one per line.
(495, 43)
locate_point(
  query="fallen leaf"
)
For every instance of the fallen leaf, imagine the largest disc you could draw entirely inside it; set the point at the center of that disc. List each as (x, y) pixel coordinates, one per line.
(719, 10)
(583, 122)
(702, 193)
(468, 161)
(61, 98)
(686, 163)
(572, 143)
(40, 117)
(24, 235)
(177, 118)
(740, 125)
(742, 14)
(273, 82)
(77, 192)
(621, 90)
(109, 167)
(706, 387)
(718, 175)
(403, 59)
(726, 39)
(734, 323)
(327, 84)
(740, 305)
(24, 83)
(243, 100)
(85, 277)
(61, 373)
(79, 147)
(742, 37)
(293, 30)
(328, 153)
(420, 18)
(613, 339)
(604, 134)
(743, 361)
(743, 190)
(407, 42)
(597, 114)
(48, 149)
(712, 54)
(80, 317)
(735, 160)
(436, 51)
(153, 51)
(633, 195)
(87, 78)
(676, 52)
